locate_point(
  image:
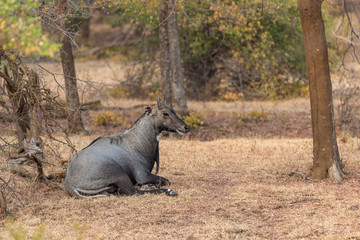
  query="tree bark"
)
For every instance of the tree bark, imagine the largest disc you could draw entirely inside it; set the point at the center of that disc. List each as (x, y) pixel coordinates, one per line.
(172, 75)
(72, 97)
(165, 63)
(67, 60)
(326, 161)
(177, 74)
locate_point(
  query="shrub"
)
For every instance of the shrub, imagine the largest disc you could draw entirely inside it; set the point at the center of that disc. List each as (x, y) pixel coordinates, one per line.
(253, 116)
(195, 120)
(107, 118)
(348, 108)
(245, 43)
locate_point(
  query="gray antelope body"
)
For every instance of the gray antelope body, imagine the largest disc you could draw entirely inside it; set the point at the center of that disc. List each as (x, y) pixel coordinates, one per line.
(116, 163)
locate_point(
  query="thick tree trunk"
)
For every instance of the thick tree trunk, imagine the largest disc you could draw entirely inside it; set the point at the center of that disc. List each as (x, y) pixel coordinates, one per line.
(326, 156)
(67, 60)
(84, 30)
(172, 76)
(177, 73)
(72, 97)
(84, 27)
(165, 63)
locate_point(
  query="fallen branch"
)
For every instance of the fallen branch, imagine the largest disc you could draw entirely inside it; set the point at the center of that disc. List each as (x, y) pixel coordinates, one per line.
(96, 105)
(90, 105)
(57, 174)
(32, 154)
(118, 108)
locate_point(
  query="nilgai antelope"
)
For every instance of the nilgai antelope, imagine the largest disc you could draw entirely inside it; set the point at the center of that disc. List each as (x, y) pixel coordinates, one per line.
(112, 164)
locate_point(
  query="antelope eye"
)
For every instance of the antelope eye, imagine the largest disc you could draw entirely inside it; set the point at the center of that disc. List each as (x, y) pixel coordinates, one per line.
(165, 114)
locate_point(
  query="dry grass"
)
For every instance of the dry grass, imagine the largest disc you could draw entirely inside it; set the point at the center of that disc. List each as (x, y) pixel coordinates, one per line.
(228, 189)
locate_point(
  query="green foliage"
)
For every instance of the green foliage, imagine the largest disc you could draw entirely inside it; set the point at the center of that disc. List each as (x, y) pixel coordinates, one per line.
(195, 120)
(107, 118)
(263, 41)
(20, 29)
(284, 89)
(223, 43)
(143, 15)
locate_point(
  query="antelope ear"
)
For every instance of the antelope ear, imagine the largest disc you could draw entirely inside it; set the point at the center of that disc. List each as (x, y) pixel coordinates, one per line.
(158, 101)
(147, 110)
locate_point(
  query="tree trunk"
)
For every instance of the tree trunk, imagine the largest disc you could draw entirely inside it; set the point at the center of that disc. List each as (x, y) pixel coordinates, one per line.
(72, 97)
(326, 155)
(177, 74)
(172, 75)
(84, 30)
(165, 63)
(84, 27)
(67, 60)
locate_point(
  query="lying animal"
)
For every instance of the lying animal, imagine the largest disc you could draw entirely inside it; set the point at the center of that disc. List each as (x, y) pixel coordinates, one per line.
(112, 164)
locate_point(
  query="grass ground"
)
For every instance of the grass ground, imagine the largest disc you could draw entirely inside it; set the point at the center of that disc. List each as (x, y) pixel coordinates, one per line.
(228, 189)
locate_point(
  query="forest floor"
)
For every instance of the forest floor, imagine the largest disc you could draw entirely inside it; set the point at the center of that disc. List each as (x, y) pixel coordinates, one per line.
(232, 173)
(236, 188)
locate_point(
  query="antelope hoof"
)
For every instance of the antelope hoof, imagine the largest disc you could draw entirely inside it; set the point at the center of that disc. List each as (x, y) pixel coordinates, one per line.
(171, 193)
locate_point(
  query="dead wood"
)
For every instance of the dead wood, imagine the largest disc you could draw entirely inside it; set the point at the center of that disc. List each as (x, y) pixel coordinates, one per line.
(90, 105)
(32, 154)
(57, 174)
(96, 105)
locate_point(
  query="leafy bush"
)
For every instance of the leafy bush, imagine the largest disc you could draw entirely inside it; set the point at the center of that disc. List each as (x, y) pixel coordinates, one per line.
(107, 118)
(348, 108)
(230, 96)
(245, 43)
(254, 116)
(227, 47)
(195, 120)
(20, 29)
(286, 89)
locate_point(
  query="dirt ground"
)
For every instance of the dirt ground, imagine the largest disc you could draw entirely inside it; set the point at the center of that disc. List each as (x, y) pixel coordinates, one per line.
(230, 174)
